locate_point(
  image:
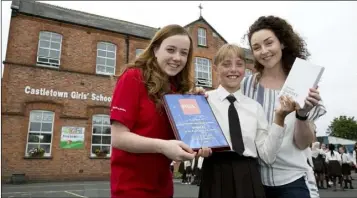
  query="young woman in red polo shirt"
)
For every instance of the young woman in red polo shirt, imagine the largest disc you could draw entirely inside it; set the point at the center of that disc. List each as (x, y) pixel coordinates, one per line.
(142, 139)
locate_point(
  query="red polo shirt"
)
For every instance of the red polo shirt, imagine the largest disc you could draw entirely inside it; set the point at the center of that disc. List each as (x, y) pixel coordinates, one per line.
(143, 175)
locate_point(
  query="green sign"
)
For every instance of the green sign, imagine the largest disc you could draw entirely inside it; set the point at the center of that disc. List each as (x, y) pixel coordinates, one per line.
(72, 137)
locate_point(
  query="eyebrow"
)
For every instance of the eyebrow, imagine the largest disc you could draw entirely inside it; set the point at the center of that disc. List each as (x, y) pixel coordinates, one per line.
(176, 47)
(263, 41)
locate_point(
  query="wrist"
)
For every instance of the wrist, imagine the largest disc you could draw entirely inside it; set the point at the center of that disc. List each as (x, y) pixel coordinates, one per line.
(301, 115)
(159, 145)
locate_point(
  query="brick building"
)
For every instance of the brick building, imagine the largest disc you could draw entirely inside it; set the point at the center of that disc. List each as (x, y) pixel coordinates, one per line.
(58, 81)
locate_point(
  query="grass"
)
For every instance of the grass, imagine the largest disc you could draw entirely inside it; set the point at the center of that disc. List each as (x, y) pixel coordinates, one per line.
(74, 145)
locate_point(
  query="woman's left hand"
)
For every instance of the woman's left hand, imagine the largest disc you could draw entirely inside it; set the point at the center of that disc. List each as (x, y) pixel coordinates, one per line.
(311, 101)
(198, 91)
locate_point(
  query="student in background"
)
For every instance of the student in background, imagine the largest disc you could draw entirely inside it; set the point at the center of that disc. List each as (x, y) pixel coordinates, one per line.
(333, 160)
(346, 166)
(318, 158)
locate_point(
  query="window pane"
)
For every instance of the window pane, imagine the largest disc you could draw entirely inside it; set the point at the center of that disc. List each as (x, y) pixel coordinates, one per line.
(45, 35)
(35, 126)
(54, 61)
(100, 61)
(106, 148)
(31, 146)
(110, 62)
(45, 44)
(46, 127)
(43, 60)
(110, 54)
(100, 68)
(106, 129)
(106, 120)
(101, 46)
(35, 116)
(97, 130)
(47, 117)
(34, 137)
(205, 76)
(101, 53)
(97, 120)
(111, 47)
(106, 140)
(56, 37)
(54, 54)
(95, 148)
(200, 75)
(96, 139)
(43, 52)
(110, 70)
(55, 45)
(46, 138)
(46, 147)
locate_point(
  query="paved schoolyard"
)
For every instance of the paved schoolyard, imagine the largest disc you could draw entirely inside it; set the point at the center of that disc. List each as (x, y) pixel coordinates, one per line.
(93, 189)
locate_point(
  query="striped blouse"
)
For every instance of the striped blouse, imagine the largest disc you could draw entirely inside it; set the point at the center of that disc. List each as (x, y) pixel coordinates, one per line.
(290, 163)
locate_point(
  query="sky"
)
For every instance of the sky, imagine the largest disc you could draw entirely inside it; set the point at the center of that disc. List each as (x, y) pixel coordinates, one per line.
(329, 29)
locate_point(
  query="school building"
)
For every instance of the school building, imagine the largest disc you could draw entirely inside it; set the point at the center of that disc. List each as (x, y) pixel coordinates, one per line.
(57, 85)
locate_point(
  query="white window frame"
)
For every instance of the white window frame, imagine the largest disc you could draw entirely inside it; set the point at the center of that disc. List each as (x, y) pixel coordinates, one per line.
(91, 148)
(205, 69)
(106, 58)
(201, 37)
(138, 51)
(41, 132)
(51, 41)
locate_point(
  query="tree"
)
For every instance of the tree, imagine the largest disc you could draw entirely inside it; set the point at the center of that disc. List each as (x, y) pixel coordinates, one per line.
(343, 127)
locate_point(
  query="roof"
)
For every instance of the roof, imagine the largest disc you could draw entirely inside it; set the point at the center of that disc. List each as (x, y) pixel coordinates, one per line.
(248, 53)
(52, 12)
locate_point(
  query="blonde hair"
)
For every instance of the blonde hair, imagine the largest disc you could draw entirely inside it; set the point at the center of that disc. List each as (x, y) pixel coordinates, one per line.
(156, 81)
(228, 50)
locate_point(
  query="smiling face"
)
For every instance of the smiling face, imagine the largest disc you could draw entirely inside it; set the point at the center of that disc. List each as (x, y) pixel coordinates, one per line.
(266, 47)
(172, 54)
(230, 67)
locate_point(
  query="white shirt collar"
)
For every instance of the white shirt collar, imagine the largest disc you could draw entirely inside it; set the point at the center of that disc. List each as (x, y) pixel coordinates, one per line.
(223, 93)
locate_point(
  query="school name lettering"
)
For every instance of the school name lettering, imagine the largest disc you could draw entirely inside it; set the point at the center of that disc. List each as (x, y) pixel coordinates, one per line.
(64, 94)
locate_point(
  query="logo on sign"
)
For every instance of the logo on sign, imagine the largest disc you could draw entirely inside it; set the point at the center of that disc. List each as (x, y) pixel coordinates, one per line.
(189, 106)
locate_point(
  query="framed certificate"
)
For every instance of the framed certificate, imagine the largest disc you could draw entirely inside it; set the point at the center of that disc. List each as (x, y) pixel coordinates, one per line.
(193, 122)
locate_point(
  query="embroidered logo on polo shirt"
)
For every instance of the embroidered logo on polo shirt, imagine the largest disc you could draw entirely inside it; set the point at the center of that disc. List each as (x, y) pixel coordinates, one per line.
(118, 108)
(189, 106)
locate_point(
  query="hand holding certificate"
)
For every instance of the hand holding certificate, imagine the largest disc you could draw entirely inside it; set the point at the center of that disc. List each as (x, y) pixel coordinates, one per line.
(193, 122)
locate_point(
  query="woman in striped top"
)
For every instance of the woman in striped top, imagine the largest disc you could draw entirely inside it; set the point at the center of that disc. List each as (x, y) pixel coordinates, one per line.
(275, 46)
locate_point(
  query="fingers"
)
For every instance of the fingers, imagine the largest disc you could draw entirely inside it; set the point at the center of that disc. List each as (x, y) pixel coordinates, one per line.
(198, 90)
(205, 152)
(188, 156)
(185, 147)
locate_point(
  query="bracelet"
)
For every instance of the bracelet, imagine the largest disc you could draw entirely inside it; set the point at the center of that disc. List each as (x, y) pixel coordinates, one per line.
(303, 118)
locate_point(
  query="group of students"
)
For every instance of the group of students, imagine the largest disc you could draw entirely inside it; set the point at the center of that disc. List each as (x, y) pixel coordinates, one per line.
(267, 141)
(191, 171)
(330, 165)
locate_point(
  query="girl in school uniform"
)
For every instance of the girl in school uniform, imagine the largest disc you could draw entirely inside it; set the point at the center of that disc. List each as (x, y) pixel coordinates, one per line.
(234, 173)
(333, 160)
(318, 158)
(346, 167)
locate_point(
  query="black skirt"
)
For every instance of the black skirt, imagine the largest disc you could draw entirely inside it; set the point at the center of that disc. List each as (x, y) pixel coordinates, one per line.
(334, 168)
(318, 165)
(346, 169)
(227, 174)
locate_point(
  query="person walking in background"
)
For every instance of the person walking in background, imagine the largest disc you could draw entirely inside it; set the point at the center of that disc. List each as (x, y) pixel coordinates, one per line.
(346, 166)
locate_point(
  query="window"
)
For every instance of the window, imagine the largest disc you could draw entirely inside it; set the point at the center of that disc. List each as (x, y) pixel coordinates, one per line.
(202, 37)
(203, 73)
(248, 72)
(49, 49)
(106, 58)
(101, 135)
(40, 131)
(138, 52)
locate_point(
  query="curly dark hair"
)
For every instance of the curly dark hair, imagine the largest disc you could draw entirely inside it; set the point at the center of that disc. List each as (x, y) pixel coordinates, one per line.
(294, 45)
